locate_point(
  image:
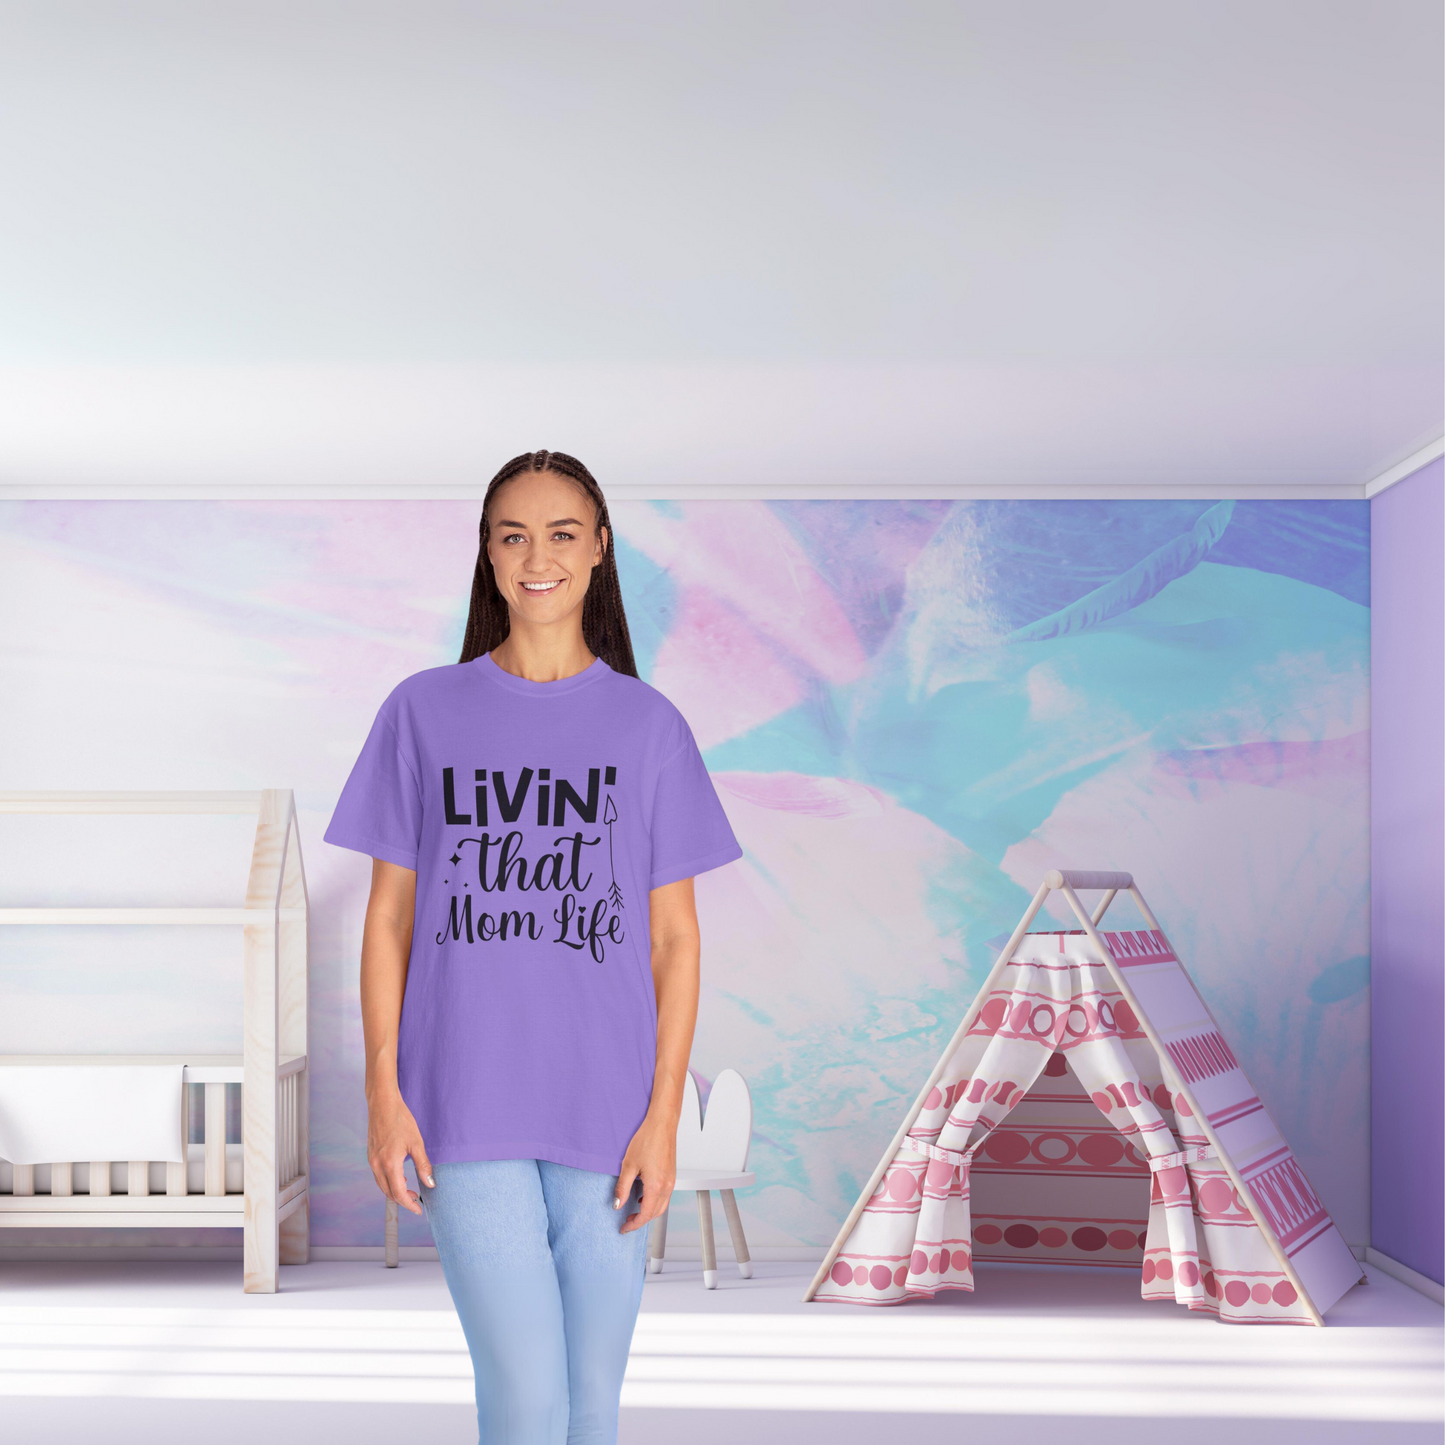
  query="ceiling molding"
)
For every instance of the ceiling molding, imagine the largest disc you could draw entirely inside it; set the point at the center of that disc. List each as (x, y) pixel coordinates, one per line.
(698, 492)
(674, 432)
(1408, 467)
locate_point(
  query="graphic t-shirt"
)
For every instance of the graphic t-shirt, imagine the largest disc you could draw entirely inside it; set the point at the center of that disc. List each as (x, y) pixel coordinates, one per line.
(537, 815)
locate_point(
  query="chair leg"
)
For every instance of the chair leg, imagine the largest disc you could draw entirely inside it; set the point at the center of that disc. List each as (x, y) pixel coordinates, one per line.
(709, 1249)
(393, 1253)
(658, 1242)
(735, 1228)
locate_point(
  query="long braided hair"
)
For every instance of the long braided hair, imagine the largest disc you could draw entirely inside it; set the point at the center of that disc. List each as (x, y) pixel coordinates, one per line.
(604, 623)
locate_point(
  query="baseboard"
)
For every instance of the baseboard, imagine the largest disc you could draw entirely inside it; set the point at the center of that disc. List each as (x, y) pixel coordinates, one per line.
(122, 1251)
(1402, 1272)
(361, 1252)
(780, 1253)
(679, 1253)
(229, 1252)
(688, 1253)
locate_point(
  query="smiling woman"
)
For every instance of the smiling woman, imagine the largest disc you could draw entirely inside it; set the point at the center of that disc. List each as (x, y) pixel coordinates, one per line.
(528, 990)
(538, 559)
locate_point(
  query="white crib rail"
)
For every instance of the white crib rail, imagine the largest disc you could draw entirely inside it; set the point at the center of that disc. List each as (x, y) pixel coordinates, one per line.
(217, 1173)
(273, 1207)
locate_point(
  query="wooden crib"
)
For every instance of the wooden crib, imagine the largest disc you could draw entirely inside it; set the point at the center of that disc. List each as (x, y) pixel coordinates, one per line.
(270, 1200)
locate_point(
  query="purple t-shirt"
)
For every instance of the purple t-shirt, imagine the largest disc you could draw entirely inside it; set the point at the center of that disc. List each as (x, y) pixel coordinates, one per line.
(537, 816)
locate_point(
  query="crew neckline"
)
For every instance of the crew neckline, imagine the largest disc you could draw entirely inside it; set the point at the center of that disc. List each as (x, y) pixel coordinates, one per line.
(527, 688)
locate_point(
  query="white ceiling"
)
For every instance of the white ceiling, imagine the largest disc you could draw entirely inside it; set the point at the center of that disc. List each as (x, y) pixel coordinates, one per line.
(820, 247)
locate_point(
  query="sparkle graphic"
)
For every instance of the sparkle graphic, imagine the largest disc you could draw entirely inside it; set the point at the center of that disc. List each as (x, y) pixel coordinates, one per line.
(456, 857)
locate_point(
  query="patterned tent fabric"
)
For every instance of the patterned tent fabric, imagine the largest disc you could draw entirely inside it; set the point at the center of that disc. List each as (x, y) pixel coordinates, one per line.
(1057, 1132)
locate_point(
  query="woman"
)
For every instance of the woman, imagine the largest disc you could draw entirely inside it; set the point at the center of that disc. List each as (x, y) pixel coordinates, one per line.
(529, 968)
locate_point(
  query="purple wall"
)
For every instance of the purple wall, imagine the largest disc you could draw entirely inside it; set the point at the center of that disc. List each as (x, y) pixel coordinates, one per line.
(1407, 858)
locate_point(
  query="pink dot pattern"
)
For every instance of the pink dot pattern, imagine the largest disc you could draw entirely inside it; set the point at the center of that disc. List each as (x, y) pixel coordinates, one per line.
(1045, 1090)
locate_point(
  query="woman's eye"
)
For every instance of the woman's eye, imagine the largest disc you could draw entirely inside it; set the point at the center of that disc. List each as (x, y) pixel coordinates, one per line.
(561, 536)
(513, 537)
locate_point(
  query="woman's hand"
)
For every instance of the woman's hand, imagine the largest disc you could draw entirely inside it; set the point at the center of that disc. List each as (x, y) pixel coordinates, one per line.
(651, 1157)
(392, 1134)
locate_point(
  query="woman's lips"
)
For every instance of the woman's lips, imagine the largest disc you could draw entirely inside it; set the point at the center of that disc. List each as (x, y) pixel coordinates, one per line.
(541, 589)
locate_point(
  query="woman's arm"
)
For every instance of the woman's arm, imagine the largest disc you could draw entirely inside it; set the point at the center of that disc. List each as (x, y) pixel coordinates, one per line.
(676, 949)
(391, 1132)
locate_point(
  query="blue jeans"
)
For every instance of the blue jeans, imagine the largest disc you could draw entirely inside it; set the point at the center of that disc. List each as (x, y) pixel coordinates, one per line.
(547, 1290)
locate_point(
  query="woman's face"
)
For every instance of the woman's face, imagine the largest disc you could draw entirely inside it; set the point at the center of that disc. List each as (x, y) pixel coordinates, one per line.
(543, 545)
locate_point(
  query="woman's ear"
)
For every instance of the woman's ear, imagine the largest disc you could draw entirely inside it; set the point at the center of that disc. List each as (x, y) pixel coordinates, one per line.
(600, 550)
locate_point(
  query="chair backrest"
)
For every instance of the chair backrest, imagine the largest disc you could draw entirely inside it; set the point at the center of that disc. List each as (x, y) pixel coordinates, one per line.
(718, 1143)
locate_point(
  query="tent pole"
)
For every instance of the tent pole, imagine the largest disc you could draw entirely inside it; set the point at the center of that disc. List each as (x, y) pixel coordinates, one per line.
(968, 1021)
(1165, 1060)
(1148, 914)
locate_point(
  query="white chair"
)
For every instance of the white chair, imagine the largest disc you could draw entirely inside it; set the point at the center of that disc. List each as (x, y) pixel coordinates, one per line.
(712, 1153)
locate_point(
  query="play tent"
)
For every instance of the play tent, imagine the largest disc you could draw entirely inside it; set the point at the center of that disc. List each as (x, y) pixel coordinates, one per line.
(1089, 1111)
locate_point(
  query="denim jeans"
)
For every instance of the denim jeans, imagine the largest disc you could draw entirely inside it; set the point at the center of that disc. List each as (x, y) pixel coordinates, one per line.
(547, 1290)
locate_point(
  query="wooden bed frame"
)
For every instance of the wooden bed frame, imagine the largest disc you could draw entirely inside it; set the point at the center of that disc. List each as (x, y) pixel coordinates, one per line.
(273, 1207)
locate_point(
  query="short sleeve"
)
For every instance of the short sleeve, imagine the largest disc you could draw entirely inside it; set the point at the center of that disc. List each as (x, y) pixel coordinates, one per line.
(690, 832)
(379, 811)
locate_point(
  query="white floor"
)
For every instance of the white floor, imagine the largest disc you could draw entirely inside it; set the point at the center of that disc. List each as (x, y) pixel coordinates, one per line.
(131, 1352)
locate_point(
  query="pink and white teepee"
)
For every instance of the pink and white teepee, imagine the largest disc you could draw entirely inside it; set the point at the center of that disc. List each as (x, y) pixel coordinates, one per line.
(1089, 1111)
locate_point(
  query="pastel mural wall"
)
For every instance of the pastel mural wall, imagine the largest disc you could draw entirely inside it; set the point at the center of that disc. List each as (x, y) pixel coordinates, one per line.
(910, 709)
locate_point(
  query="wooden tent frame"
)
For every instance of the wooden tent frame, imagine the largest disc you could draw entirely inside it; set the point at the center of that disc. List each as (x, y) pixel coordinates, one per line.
(274, 1209)
(1067, 882)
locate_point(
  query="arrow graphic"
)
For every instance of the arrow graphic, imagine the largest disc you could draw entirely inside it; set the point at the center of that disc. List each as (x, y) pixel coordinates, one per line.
(609, 816)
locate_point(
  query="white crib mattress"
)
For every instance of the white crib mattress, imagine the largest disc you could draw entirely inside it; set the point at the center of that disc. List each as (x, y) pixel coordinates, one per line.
(90, 1111)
